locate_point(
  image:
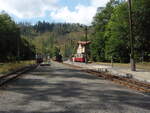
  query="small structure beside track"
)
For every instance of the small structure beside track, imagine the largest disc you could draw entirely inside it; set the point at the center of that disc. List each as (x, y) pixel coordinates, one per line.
(81, 54)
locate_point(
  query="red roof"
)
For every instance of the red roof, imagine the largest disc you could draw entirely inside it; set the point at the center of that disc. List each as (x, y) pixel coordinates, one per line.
(84, 42)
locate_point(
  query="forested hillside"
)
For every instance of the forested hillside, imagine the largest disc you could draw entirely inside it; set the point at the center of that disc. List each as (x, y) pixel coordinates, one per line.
(108, 33)
(51, 38)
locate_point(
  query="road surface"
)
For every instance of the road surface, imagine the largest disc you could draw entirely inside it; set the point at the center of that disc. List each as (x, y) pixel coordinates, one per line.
(61, 89)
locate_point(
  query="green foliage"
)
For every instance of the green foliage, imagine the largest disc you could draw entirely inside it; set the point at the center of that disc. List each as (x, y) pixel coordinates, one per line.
(8, 33)
(117, 44)
(26, 49)
(97, 47)
(12, 46)
(46, 36)
(56, 51)
(141, 17)
(111, 32)
(98, 39)
(58, 28)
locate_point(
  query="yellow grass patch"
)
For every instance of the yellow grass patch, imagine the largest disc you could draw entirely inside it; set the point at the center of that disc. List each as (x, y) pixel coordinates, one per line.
(6, 67)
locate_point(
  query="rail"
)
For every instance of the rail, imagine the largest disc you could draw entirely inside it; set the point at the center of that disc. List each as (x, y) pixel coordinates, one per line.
(13, 75)
(128, 82)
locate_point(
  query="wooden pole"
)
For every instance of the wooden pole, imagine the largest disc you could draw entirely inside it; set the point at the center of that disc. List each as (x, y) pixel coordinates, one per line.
(132, 60)
(86, 60)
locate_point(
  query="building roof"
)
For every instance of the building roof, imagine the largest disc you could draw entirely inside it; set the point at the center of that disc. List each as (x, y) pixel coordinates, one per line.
(84, 42)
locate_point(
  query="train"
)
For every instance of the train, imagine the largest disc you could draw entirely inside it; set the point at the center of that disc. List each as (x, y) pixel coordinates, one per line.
(81, 52)
(58, 58)
(79, 57)
(42, 58)
(39, 59)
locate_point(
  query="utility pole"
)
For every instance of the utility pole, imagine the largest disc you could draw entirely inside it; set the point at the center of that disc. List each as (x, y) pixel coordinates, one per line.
(18, 50)
(86, 60)
(132, 60)
(112, 63)
(18, 45)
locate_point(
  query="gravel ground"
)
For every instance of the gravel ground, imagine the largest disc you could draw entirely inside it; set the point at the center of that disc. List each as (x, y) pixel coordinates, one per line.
(140, 74)
(61, 89)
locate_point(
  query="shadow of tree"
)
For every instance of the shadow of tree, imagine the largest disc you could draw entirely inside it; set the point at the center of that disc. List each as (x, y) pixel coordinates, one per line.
(75, 93)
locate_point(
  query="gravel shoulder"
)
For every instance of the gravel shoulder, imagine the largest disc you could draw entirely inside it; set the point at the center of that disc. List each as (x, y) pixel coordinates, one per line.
(61, 89)
(140, 74)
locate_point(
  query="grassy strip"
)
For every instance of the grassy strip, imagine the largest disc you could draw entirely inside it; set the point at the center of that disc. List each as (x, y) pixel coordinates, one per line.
(144, 65)
(6, 67)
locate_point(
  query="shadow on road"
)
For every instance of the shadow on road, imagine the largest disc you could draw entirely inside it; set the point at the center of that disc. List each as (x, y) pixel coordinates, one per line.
(75, 89)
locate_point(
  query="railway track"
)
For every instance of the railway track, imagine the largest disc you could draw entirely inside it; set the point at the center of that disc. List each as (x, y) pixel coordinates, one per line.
(128, 82)
(13, 75)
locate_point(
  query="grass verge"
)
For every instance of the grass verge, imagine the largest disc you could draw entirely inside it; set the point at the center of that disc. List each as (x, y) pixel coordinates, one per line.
(7, 67)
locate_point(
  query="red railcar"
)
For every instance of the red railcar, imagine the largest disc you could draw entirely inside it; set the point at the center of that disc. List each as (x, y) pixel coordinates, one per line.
(80, 55)
(79, 58)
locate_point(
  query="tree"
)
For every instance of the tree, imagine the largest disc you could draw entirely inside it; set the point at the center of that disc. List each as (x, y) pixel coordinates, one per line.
(117, 33)
(98, 39)
(111, 32)
(141, 23)
(9, 35)
(12, 46)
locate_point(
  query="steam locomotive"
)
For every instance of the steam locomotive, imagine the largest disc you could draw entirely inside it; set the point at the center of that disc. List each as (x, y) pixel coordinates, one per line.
(58, 58)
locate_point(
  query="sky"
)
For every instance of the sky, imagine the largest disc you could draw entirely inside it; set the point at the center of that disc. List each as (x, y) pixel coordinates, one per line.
(69, 11)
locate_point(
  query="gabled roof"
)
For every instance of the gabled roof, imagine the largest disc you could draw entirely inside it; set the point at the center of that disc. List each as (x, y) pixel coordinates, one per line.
(84, 42)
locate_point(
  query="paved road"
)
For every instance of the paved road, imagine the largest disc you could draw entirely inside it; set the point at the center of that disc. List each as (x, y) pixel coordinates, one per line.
(60, 89)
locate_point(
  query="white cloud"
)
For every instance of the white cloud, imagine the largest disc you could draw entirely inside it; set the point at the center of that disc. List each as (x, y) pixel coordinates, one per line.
(82, 14)
(99, 3)
(27, 8)
(37, 8)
